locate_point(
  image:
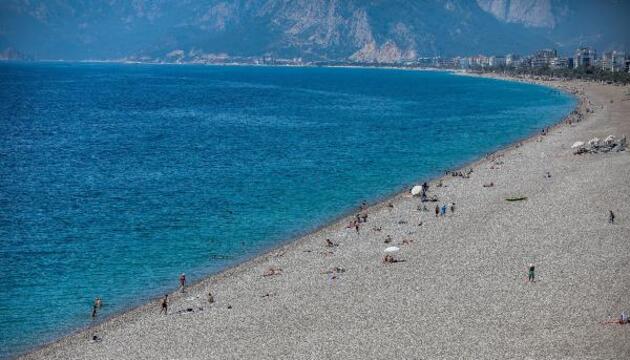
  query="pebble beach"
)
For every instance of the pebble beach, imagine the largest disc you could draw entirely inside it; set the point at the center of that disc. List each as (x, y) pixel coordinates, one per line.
(459, 289)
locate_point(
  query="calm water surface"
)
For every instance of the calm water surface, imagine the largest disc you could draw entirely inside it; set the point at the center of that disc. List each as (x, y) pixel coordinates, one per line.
(116, 178)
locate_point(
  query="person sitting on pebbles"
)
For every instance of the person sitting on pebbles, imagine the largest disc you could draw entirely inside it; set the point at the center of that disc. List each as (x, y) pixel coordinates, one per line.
(389, 259)
(272, 271)
(96, 339)
(623, 319)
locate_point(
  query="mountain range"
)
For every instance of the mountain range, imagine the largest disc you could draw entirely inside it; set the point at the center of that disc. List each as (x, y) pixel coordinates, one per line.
(350, 30)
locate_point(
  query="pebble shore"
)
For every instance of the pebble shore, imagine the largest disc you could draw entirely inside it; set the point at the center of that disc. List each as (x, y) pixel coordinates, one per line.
(461, 291)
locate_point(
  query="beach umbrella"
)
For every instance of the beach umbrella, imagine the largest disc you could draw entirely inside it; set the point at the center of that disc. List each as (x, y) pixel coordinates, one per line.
(416, 190)
(392, 249)
(577, 144)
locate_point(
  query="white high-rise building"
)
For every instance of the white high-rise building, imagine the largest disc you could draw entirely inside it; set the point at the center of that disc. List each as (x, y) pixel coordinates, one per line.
(512, 60)
(584, 57)
(496, 61)
(614, 61)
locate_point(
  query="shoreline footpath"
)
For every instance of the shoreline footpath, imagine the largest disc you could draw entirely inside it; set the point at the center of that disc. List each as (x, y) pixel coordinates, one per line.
(249, 279)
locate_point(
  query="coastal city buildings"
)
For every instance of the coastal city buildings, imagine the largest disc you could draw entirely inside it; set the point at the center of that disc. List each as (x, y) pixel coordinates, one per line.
(583, 58)
(497, 61)
(614, 61)
(543, 58)
(512, 60)
(559, 63)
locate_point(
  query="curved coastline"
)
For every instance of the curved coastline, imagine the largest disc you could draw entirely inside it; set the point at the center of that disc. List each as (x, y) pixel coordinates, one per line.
(124, 316)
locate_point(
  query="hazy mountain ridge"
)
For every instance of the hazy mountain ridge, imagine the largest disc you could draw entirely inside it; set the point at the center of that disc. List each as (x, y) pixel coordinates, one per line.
(377, 30)
(532, 13)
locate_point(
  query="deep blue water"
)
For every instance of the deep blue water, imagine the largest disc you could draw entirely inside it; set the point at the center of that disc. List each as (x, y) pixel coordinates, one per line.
(116, 178)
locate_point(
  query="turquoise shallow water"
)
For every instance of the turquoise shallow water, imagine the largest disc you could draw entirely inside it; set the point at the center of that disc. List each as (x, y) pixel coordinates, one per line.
(116, 178)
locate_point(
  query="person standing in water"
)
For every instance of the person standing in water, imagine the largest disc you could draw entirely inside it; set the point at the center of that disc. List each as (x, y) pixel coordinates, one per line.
(97, 305)
(182, 282)
(531, 276)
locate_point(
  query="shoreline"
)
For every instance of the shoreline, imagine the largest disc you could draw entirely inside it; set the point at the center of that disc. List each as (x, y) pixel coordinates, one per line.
(292, 244)
(336, 221)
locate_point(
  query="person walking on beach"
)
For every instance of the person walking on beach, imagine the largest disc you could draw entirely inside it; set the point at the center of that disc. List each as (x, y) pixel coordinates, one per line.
(437, 211)
(611, 217)
(425, 188)
(531, 276)
(182, 282)
(356, 227)
(443, 210)
(164, 305)
(452, 208)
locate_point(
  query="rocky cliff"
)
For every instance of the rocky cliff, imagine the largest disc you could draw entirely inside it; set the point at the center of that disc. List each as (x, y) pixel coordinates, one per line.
(532, 13)
(366, 31)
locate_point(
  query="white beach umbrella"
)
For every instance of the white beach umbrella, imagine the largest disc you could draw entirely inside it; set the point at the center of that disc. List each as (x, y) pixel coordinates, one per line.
(416, 190)
(577, 144)
(392, 249)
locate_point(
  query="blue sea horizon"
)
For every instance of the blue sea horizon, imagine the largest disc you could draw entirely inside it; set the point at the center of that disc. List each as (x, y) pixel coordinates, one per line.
(116, 178)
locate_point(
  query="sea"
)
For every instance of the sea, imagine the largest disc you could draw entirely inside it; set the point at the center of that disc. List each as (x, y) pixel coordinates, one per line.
(116, 178)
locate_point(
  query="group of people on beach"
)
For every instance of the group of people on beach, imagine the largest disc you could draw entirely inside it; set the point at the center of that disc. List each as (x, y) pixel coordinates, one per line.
(441, 211)
(164, 303)
(360, 218)
(463, 174)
